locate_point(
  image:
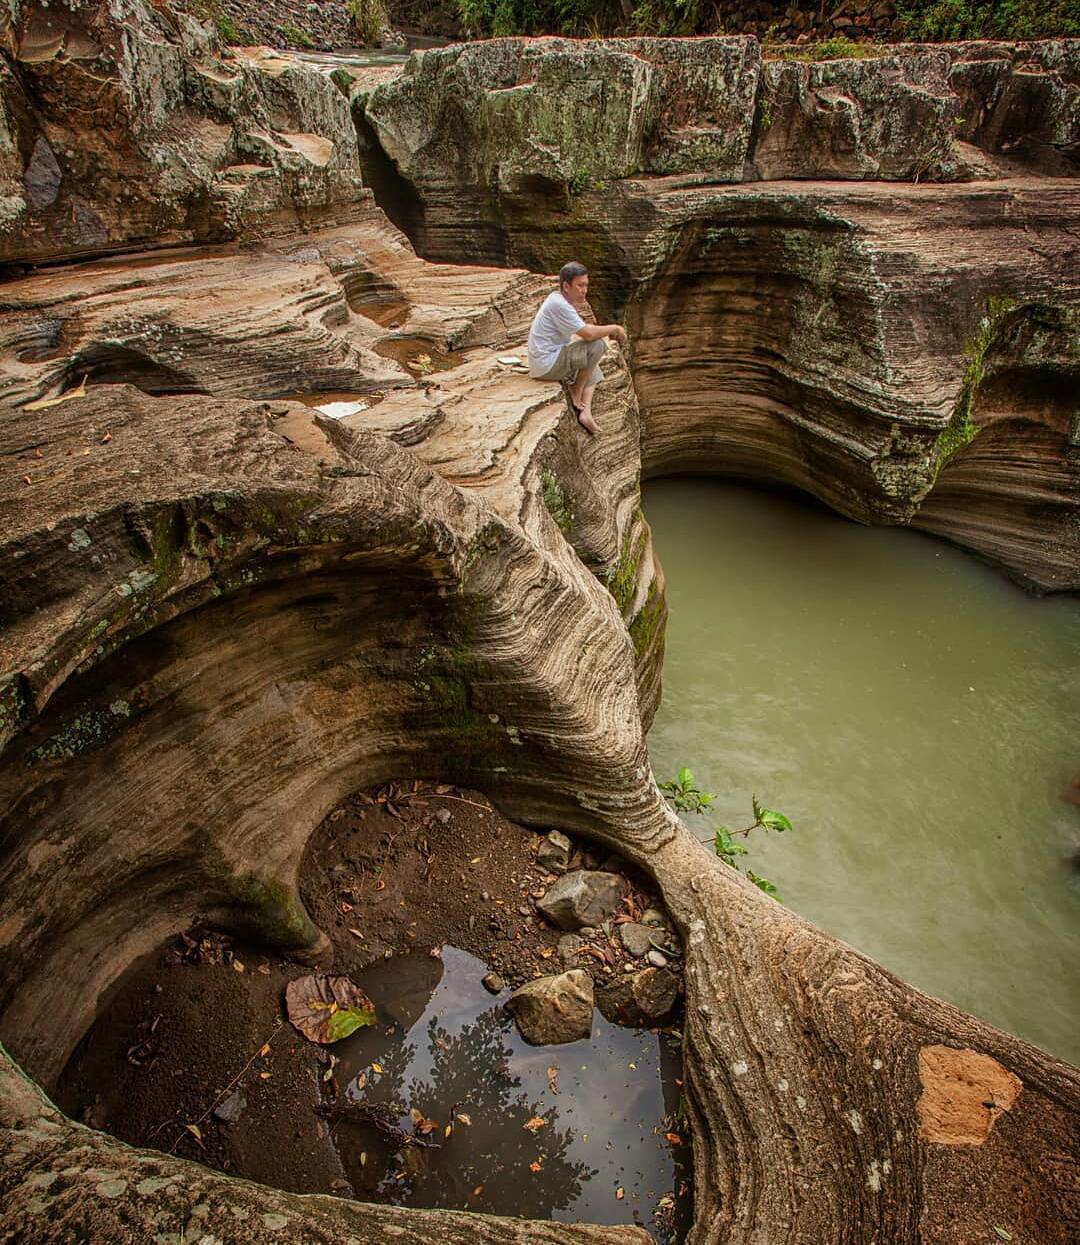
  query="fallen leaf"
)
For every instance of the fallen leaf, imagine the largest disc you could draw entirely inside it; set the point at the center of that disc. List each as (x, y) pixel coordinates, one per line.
(1003, 1233)
(356, 933)
(475, 860)
(106, 438)
(448, 1130)
(673, 1139)
(461, 1118)
(27, 480)
(196, 1132)
(326, 1009)
(345, 907)
(376, 1068)
(620, 1193)
(363, 1158)
(43, 404)
(264, 1076)
(535, 1167)
(264, 1049)
(238, 966)
(553, 1078)
(380, 885)
(547, 953)
(534, 1123)
(361, 1080)
(478, 1190)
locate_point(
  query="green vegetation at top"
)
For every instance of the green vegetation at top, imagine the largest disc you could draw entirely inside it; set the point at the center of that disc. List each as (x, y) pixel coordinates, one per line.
(939, 21)
(930, 21)
(369, 17)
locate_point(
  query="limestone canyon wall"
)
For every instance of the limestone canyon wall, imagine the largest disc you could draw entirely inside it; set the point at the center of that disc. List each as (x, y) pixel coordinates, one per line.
(222, 612)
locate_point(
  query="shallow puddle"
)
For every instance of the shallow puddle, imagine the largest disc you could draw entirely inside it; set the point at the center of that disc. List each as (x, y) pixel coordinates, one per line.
(418, 355)
(593, 1151)
(914, 714)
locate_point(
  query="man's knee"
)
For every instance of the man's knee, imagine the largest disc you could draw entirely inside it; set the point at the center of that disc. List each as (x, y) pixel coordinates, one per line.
(594, 350)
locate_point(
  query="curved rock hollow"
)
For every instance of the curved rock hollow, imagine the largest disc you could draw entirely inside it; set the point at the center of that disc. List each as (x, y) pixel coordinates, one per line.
(224, 612)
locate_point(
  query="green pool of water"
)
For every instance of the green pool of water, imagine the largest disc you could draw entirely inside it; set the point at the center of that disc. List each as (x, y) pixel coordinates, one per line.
(915, 715)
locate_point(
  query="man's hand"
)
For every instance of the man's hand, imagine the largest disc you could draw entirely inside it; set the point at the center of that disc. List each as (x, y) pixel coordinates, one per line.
(618, 332)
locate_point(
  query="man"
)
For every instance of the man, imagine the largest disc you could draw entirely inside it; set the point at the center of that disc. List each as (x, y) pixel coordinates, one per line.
(563, 347)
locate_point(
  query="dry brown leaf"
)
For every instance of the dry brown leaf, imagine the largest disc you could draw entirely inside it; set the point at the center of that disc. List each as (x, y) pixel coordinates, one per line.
(264, 1049)
(375, 1067)
(196, 1132)
(620, 1193)
(345, 907)
(238, 965)
(553, 1078)
(461, 1118)
(380, 885)
(264, 1076)
(535, 1167)
(535, 1122)
(326, 1009)
(478, 1190)
(448, 1130)
(673, 1139)
(355, 933)
(547, 953)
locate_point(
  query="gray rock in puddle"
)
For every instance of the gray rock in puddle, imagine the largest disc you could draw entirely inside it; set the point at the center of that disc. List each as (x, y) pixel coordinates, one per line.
(552, 1010)
(639, 999)
(582, 898)
(554, 852)
(637, 939)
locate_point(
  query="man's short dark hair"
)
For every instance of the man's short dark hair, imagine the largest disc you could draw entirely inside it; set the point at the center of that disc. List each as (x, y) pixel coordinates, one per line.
(569, 271)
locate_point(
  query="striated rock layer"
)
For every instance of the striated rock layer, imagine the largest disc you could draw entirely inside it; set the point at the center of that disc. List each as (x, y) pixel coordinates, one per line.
(223, 613)
(838, 332)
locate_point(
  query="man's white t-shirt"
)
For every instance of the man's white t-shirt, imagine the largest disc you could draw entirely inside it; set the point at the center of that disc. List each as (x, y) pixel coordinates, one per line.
(555, 323)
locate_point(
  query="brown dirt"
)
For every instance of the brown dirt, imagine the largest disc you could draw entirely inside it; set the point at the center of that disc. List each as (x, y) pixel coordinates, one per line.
(384, 875)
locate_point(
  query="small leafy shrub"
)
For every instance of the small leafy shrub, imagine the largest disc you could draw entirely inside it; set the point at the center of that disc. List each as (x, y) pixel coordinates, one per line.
(297, 35)
(369, 17)
(835, 48)
(558, 503)
(936, 21)
(684, 795)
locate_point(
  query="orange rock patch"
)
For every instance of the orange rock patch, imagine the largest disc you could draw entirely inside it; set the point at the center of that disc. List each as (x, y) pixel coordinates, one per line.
(964, 1092)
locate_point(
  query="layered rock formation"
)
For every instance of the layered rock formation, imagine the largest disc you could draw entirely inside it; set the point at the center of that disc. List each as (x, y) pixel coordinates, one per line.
(223, 614)
(821, 332)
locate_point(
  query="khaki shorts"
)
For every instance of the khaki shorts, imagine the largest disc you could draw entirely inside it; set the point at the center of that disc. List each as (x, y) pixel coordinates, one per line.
(574, 356)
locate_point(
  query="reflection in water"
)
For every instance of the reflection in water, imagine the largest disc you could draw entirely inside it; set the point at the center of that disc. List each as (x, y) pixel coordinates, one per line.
(453, 1050)
(915, 715)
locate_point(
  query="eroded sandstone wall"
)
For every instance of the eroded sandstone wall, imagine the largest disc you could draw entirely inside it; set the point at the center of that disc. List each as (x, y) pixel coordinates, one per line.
(822, 264)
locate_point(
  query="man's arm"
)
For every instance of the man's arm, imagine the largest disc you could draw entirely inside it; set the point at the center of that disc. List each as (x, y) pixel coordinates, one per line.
(591, 332)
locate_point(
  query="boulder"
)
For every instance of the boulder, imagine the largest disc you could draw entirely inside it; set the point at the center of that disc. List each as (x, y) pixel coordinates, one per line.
(553, 1010)
(582, 898)
(554, 852)
(639, 999)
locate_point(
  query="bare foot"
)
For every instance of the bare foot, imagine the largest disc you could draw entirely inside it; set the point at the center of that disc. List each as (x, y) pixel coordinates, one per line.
(587, 422)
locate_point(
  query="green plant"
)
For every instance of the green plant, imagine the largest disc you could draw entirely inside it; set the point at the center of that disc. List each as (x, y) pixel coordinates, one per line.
(683, 793)
(227, 29)
(559, 504)
(835, 48)
(369, 17)
(297, 35)
(686, 797)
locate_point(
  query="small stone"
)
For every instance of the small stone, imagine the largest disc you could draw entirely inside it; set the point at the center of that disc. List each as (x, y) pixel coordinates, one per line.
(493, 983)
(443, 815)
(656, 959)
(588, 931)
(637, 939)
(653, 916)
(582, 898)
(554, 852)
(484, 896)
(229, 1111)
(553, 1010)
(524, 910)
(568, 947)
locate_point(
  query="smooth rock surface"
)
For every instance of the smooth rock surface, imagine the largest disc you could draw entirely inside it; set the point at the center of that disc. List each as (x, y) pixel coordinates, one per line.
(554, 852)
(637, 939)
(551, 1011)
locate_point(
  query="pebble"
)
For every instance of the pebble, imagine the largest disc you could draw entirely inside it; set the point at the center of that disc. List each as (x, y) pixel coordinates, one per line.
(656, 959)
(443, 815)
(524, 910)
(493, 983)
(484, 896)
